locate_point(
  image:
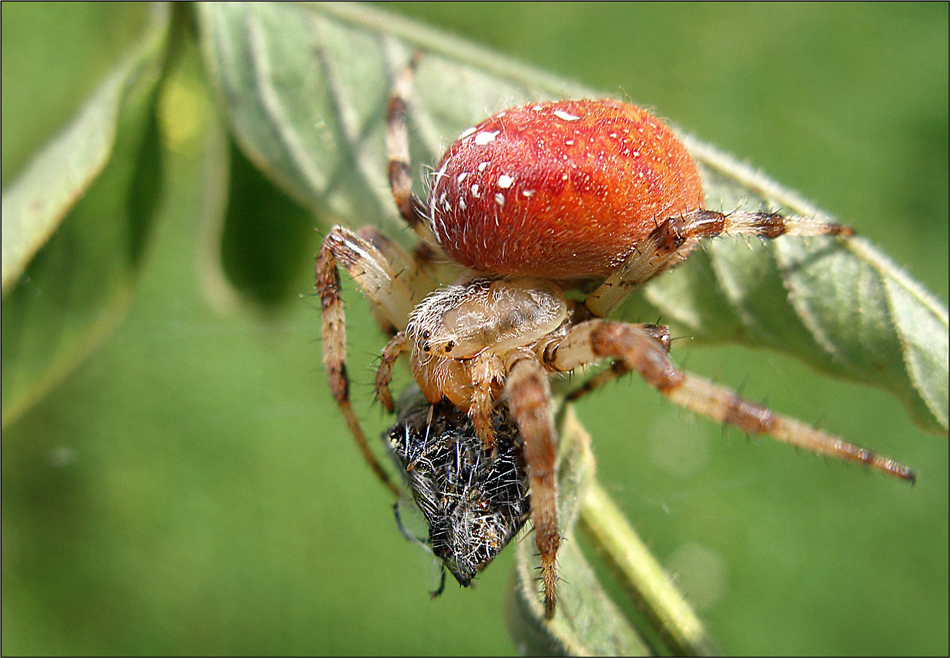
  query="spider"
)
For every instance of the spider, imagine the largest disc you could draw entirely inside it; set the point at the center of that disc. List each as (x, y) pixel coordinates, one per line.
(547, 215)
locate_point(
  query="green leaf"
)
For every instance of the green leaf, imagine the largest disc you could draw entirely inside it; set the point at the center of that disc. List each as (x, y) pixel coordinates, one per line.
(306, 87)
(75, 225)
(264, 237)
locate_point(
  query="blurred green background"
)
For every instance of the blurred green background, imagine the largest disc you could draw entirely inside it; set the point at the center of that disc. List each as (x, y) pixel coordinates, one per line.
(191, 488)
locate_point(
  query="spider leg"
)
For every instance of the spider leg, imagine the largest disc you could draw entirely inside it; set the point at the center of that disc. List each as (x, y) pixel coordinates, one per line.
(615, 370)
(599, 339)
(411, 207)
(413, 270)
(673, 238)
(487, 373)
(618, 368)
(380, 284)
(529, 400)
(396, 346)
(383, 285)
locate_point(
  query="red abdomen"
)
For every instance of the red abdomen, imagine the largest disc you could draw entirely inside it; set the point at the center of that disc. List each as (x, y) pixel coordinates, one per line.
(560, 190)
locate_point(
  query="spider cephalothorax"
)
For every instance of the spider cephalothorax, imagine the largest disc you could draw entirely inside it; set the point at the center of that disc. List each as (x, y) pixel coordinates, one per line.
(595, 197)
(464, 339)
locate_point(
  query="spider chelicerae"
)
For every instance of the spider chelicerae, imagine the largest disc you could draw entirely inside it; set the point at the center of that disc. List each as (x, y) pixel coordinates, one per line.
(546, 216)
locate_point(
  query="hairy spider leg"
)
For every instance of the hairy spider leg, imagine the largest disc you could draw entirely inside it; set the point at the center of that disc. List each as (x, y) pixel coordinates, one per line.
(414, 270)
(411, 207)
(529, 400)
(618, 368)
(674, 238)
(379, 283)
(488, 372)
(602, 339)
(397, 345)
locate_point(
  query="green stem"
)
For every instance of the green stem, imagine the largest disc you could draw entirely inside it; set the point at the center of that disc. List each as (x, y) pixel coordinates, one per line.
(644, 579)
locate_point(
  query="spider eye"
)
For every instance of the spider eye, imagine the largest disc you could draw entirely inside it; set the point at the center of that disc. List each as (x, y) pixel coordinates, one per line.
(426, 334)
(450, 346)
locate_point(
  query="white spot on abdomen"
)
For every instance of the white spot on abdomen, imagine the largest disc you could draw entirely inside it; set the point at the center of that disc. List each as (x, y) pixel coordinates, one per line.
(566, 116)
(500, 199)
(435, 183)
(483, 138)
(505, 181)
